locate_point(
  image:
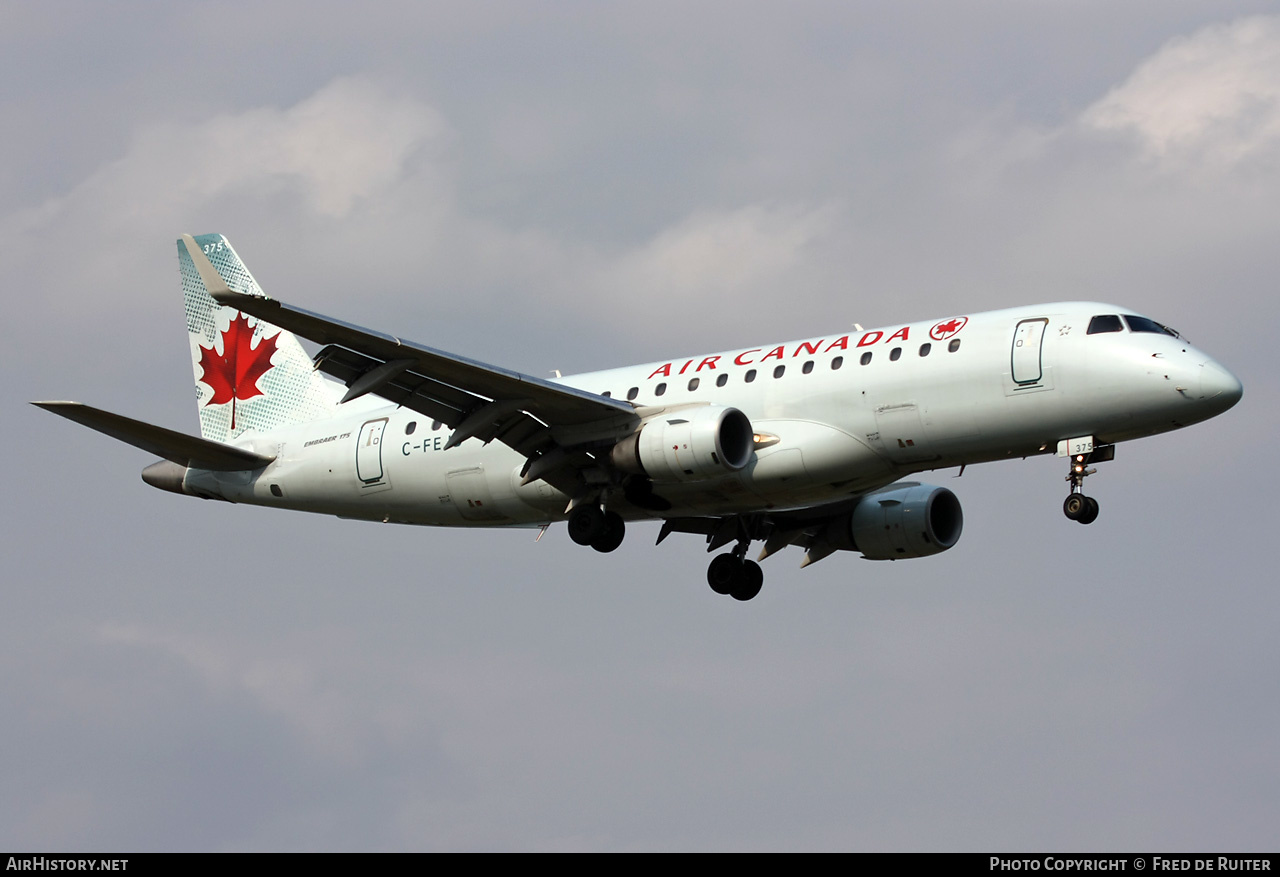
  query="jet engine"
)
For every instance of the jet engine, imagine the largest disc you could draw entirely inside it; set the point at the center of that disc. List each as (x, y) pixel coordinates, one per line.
(909, 520)
(688, 444)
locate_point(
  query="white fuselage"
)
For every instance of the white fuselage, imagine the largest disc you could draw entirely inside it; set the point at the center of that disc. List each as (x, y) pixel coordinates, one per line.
(991, 386)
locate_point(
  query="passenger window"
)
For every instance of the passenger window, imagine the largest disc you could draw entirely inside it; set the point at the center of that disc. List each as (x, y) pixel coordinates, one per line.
(895, 354)
(837, 362)
(777, 372)
(608, 394)
(808, 367)
(954, 345)
(722, 380)
(1104, 323)
(693, 384)
(435, 424)
(632, 393)
(749, 376)
(660, 389)
(866, 357)
(925, 348)
(410, 427)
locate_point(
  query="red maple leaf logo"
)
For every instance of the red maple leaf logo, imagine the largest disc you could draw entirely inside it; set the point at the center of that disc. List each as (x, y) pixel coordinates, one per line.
(234, 373)
(947, 328)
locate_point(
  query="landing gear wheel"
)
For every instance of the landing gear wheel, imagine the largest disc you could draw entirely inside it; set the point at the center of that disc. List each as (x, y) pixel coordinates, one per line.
(614, 529)
(731, 575)
(752, 581)
(586, 524)
(1075, 506)
(725, 574)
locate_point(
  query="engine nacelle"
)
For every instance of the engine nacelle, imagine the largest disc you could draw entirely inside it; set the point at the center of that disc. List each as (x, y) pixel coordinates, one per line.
(689, 444)
(911, 520)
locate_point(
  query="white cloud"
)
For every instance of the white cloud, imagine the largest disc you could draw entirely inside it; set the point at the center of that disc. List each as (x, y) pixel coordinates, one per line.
(355, 178)
(347, 143)
(722, 253)
(1212, 97)
(713, 268)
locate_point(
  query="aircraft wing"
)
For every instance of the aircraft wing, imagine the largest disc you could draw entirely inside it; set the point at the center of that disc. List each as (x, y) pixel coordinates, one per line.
(554, 426)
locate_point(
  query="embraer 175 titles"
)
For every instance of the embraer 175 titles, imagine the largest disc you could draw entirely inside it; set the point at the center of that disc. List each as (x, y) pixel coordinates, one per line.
(803, 443)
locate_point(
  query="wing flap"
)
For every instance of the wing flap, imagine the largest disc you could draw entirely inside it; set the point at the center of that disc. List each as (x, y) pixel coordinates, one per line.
(186, 450)
(470, 415)
(437, 401)
(802, 527)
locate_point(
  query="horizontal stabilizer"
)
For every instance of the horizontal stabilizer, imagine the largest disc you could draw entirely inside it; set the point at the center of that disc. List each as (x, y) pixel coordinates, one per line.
(179, 447)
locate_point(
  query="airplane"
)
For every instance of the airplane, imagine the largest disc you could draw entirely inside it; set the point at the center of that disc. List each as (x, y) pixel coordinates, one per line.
(803, 443)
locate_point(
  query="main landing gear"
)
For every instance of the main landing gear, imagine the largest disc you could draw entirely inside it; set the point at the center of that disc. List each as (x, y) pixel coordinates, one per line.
(734, 575)
(591, 525)
(730, 574)
(1077, 506)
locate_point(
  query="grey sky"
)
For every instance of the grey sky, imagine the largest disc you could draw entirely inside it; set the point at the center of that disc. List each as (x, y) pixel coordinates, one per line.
(579, 186)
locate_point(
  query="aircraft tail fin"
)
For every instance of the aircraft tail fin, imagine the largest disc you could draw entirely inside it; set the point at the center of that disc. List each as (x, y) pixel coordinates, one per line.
(250, 375)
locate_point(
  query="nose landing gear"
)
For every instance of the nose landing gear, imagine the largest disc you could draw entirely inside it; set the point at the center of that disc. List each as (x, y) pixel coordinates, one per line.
(1077, 506)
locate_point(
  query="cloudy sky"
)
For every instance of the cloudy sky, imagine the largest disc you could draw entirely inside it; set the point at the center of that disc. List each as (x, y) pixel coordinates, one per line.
(576, 186)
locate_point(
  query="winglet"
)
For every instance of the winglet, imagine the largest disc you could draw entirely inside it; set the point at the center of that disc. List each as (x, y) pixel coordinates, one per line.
(222, 294)
(212, 279)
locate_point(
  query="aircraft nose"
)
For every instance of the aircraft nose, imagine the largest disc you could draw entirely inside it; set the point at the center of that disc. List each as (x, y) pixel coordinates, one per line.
(1219, 387)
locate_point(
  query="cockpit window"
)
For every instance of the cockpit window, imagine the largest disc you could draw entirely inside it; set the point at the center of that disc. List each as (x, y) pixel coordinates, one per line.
(1142, 324)
(1105, 323)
